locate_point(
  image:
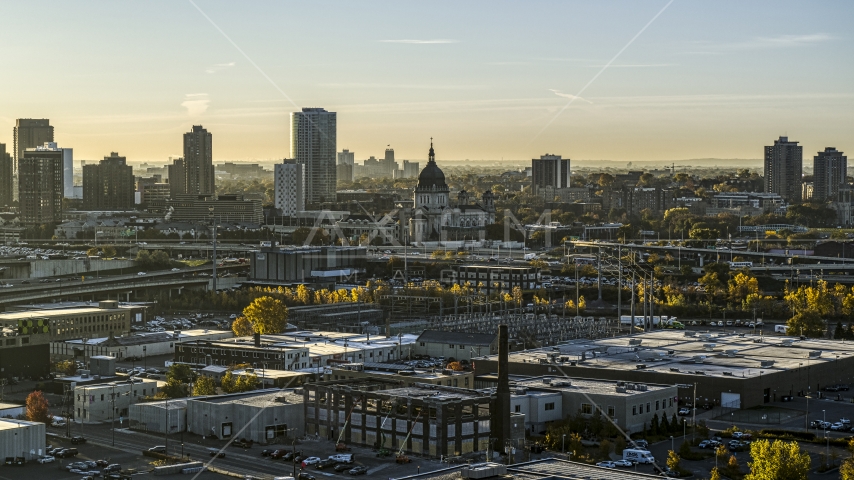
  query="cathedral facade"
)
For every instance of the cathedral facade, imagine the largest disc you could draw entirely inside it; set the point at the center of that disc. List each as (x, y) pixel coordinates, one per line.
(436, 217)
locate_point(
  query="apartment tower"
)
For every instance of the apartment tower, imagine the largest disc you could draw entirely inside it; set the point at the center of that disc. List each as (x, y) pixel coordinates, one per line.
(40, 187)
(109, 185)
(830, 171)
(313, 144)
(290, 187)
(549, 172)
(7, 173)
(198, 162)
(28, 133)
(783, 169)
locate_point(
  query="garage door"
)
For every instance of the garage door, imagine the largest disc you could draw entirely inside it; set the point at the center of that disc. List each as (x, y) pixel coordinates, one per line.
(730, 400)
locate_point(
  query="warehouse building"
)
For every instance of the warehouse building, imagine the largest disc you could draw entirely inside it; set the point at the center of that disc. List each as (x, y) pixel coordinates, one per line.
(138, 345)
(730, 369)
(20, 438)
(291, 266)
(553, 398)
(429, 420)
(404, 375)
(68, 323)
(156, 416)
(263, 416)
(455, 345)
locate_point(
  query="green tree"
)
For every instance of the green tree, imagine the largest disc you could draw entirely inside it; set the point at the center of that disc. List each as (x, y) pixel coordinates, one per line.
(204, 386)
(605, 449)
(175, 388)
(109, 251)
(66, 367)
(181, 372)
(38, 408)
(778, 461)
(267, 315)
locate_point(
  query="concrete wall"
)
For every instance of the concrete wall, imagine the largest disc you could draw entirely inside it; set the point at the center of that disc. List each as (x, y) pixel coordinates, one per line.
(20, 438)
(152, 417)
(49, 268)
(207, 418)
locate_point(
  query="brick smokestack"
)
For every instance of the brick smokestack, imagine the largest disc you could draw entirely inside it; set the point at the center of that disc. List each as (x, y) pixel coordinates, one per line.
(501, 407)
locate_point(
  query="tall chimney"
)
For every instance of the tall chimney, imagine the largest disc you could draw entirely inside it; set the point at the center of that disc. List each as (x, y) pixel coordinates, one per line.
(257, 339)
(501, 407)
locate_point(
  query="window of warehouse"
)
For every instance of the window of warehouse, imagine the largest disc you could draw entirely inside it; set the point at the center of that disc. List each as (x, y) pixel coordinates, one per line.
(586, 409)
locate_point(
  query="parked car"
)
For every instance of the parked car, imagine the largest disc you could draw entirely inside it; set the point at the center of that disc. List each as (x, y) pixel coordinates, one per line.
(606, 464)
(326, 464)
(623, 463)
(705, 444)
(359, 470)
(214, 452)
(78, 440)
(290, 455)
(305, 476)
(310, 461)
(46, 459)
(737, 435)
(77, 465)
(70, 452)
(685, 411)
(342, 467)
(158, 449)
(113, 467)
(838, 426)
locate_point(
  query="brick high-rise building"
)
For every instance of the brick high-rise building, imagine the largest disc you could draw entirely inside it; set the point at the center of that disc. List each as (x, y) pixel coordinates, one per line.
(549, 172)
(40, 188)
(830, 171)
(109, 185)
(313, 144)
(177, 178)
(784, 168)
(7, 174)
(28, 133)
(198, 162)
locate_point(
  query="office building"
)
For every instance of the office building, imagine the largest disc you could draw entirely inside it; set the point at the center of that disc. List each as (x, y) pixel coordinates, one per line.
(198, 162)
(169, 416)
(313, 144)
(177, 173)
(290, 187)
(108, 401)
(830, 169)
(783, 169)
(410, 169)
(40, 187)
(298, 265)
(346, 157)
(109, 185)
(28, 133)
(491, 279)
(549, 173)
(389, 166)
(7, 175)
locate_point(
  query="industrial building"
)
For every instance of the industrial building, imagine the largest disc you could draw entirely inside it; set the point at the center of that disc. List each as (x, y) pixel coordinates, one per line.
(155, 416)
(730, 369)
(552, 398)
(429, 420)
(404, 375)
(268, 378)
(20, 438)
(263, 416)
(455, 345)
(139, 345)
(67, 323)
(107, 401)
(226, 209)
(544, 469)
(491, 279)
(293, 266)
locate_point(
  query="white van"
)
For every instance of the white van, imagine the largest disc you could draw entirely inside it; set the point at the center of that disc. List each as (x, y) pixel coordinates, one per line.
(638, 456)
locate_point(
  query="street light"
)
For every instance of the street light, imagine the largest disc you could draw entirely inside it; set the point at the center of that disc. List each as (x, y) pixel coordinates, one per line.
(563, 444)
(213, 226)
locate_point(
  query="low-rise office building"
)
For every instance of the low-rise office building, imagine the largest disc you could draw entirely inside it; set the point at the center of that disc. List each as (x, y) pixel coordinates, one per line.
(107, 401)
(168, 416)
(267, 378)
(263, 416)
(491, 279)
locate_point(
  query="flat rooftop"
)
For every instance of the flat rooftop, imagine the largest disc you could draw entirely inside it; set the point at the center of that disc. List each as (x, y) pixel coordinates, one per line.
(436, 393)
(725, 354)
(548, 468)
(12, 424)
(582, 385)
(388, 369)
(257, 398)
(7, 406)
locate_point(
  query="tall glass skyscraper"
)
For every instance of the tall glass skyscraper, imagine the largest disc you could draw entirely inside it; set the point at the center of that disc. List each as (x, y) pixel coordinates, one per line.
(313, 144)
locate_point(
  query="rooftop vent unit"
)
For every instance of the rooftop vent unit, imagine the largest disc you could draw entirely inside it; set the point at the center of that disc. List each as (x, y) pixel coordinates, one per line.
(621, 389)
(757, 340)
(699, 372)
(766, 363)
(710, 347)
(635, 341)
(547, 380)
(521, 390)
(699, 358)
(406, 373)
(483, 470)
(640, 366)
(727, 374)
(705, 336)
(673, 369)
(561, 383)
(787, 343)
(815, 354)
(690, 333)
(642, 388)
(731, 353)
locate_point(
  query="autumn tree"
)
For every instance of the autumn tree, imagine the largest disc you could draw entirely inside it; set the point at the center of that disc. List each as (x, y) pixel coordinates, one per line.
(741, 286)
(175, 388)
(267, 315)
(806, 323)
(181, 372)
(204, 386)
(67, 367)
(38, 408)
(846, 470)
(673, 461)
(716, 475)
(238, 383)
(241, 327)
(778, 461)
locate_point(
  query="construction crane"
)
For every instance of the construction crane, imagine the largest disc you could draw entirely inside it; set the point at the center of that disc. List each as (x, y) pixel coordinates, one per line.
(401, 458)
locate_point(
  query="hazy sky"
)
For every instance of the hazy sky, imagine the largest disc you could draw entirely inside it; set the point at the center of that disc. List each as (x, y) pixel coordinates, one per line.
(487, 80)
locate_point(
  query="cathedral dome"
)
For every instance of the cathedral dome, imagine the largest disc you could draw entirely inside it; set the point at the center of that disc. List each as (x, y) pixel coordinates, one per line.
(432, 177)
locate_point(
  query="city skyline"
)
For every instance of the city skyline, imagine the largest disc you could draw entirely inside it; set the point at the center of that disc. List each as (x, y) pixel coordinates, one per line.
(683, 80)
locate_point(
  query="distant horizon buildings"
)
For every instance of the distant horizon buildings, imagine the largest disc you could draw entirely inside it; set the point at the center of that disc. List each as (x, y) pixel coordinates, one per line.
(313, 144)
(289, 187)
(783, 169)
(346, 167)
(549, 172)
(830, 171)
(108, 185)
